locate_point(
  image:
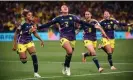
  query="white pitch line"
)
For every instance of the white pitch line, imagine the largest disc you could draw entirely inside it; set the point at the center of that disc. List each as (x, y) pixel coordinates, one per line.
(63, 62)
(95, 74)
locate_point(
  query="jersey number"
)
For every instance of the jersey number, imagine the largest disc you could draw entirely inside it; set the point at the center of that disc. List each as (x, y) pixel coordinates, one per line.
(66, 24)
(89, 30)
(109, 26)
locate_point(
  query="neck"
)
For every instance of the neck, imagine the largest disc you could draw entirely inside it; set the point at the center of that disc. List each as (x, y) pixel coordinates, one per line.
(28, 21)
(65, 13)
(107, 18)
(88, 19)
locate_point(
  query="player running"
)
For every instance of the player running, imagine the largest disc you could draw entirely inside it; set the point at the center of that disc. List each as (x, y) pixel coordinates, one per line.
(67, 34)
(108, 25)
(23, 41)
(90, 40)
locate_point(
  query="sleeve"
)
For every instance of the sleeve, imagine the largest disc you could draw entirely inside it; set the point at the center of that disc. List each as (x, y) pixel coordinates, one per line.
(98, 23)
(53, 21)
(101, 23)
(119, 23)
(95, 22)
(20, 26)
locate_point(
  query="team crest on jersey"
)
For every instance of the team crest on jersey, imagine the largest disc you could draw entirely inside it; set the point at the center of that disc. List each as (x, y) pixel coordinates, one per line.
(70, 18)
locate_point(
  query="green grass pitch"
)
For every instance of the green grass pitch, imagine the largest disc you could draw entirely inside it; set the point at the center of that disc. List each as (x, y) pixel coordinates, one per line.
(51, 58)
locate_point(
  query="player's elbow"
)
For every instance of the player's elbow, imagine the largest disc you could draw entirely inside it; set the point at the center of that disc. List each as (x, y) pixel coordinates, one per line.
(15, 36)
(35, 34)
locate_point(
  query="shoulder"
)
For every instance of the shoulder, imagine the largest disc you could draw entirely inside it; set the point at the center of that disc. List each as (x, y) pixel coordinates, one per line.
(75, 17)
(83, 19)
(102, 20)
(21, 25)
(57, 17)
(93, 20)
(114, 20)
(72, 15)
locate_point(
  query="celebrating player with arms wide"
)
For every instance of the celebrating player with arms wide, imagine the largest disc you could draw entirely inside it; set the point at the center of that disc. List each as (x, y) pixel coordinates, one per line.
(67, 34)
(108, 25)
(90, 40)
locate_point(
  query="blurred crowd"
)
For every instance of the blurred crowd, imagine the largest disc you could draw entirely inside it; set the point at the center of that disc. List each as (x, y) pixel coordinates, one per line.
(10, 12)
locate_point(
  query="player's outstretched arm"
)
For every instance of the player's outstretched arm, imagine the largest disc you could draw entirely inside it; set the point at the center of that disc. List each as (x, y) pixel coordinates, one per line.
(38, 37)
(122, 23)
(48, 24)
(130, 24)
(102, 31)
(82, 22)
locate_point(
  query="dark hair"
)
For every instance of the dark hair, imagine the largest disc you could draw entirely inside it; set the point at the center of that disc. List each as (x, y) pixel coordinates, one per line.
(25, 12)
(64, 5)
(106, 10)
(87, 11)
(109, 11)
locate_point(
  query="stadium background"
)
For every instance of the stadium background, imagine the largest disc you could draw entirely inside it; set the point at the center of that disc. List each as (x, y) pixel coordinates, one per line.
(51, 56)
(10, 14)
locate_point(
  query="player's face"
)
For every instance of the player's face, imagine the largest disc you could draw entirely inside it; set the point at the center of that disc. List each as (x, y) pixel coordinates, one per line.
(29, 16)
(64, 9)
(87, 15)
(106, 15)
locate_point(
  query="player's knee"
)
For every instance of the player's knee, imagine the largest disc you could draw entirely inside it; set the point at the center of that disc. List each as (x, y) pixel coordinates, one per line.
(93, 53)
(23, 60)
(109, 50)
(70, 51)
